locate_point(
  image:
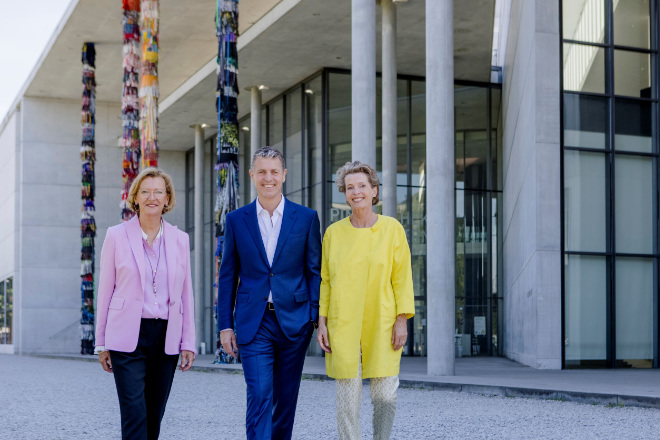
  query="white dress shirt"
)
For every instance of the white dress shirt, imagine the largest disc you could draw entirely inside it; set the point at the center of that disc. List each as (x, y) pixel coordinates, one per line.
(269, 227)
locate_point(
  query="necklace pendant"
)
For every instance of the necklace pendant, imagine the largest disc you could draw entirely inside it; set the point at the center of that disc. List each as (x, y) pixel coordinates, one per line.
(154, 287)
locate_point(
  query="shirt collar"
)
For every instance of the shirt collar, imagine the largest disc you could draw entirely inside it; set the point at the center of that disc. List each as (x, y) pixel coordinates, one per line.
(279, 209)
(160, 232)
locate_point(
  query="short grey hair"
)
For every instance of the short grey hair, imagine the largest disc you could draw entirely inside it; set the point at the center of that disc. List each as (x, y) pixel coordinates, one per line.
(355, 168)
(268, 153)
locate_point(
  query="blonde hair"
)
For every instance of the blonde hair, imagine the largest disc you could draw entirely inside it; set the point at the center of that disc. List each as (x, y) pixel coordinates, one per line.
(135, 187)
(354, 168)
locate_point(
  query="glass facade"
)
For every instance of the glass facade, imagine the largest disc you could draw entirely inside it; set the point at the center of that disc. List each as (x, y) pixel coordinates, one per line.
(6, 310)
(311, 124)
(610, 184)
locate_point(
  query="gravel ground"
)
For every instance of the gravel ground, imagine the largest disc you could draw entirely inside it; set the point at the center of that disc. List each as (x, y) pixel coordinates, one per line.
(62, 399)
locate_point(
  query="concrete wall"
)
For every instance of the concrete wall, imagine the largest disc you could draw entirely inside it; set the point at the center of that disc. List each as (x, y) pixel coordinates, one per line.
(8, 157)
(50, 170)
(532, 216)
(9, 141)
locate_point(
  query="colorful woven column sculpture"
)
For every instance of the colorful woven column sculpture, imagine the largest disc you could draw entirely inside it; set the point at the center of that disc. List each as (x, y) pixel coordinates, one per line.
(149, 92)
(227, 107)
(87, 223)
(130, 104)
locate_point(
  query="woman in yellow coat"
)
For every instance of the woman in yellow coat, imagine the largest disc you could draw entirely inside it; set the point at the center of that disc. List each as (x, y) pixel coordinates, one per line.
(366, 298)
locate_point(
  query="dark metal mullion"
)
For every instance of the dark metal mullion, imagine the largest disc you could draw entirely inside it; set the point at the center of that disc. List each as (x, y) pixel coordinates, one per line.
(632, 49)
(609, 173)
(622, 153)
(656, 208)
(411, 326)
(489, 229)
(284, 104)
(586, 43)
(303, 148)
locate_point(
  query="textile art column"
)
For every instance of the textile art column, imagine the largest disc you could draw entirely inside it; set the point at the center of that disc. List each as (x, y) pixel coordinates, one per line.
(87, 222)
(149, 92)
(227, 106)
(130, 104)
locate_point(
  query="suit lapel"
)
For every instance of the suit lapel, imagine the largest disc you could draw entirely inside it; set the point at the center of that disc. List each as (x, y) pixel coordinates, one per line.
(288, 219)
(171, 251)
(253, 227)
(134, 234)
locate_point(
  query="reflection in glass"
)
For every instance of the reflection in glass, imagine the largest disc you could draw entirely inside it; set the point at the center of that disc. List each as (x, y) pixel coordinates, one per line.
(585, 121)
(339, 140)
(584, 20)
(633, 126)
(294, 153)
(634, 312)
(275, 124)
(314, 140)
(584, 68)
(633, 183)
(632, 74)
(496, 139)
(585, 311)
(631, 23)
(418, 134)
(245, 159)
(584, 201)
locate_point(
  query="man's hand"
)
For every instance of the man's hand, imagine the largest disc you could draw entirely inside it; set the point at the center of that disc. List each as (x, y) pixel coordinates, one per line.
(399, 332)
(228, 341)
(322, 335)
(106, 363)
(187, 359)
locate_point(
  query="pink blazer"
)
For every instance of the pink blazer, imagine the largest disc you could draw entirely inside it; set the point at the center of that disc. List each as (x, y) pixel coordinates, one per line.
(121, 289)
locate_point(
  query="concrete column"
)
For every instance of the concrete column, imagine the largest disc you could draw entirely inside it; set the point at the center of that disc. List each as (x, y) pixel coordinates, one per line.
(255, 131)
(389, 107)
(363, 80)
(201, 302)
(440, 232)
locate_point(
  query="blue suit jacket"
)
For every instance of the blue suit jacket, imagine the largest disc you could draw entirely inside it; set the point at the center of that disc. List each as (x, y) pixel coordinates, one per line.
(246, 278)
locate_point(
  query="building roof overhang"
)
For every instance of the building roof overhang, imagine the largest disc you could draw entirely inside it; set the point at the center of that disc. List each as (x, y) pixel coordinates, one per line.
(282, 42)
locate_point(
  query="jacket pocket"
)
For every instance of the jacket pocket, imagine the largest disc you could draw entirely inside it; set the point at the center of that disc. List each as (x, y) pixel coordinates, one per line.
(301, 295)
(116, 303)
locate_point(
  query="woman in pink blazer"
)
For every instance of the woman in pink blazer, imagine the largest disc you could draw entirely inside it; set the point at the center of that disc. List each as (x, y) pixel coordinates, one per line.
(145, 311)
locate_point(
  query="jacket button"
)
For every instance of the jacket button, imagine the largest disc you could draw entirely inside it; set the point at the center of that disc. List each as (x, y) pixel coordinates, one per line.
(271, 274)
(265, 298)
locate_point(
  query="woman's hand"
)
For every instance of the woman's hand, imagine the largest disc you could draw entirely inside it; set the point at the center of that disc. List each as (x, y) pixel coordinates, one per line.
(322, 334)
(106, 363)
(187, 359)
(399, 332)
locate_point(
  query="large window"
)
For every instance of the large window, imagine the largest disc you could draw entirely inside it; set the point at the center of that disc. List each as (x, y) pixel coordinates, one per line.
(6, 310)
(311, 124)
(610, 187)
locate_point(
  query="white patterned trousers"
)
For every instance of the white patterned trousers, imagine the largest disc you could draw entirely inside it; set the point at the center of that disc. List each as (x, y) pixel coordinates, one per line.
(349, 399)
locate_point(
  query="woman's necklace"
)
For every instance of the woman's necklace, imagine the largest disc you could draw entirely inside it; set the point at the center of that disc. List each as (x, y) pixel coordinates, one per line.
(154, 271)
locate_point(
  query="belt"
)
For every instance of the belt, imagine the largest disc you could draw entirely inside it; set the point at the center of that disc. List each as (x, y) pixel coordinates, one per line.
(270, 306)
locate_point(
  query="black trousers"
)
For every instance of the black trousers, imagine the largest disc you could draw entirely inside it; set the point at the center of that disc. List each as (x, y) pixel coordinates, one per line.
(144, 379)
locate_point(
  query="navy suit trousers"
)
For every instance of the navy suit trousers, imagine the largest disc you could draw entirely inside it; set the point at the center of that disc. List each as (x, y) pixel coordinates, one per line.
(272, 365)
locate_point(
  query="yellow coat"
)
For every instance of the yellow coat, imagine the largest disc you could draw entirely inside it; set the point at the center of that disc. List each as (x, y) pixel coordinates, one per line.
(366, 282)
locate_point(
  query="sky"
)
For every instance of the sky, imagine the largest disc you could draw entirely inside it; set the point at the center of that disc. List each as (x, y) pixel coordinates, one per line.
(26, 26)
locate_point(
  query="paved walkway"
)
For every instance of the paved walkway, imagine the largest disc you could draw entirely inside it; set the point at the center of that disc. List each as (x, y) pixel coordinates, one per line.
(502, 377)
(58, 398)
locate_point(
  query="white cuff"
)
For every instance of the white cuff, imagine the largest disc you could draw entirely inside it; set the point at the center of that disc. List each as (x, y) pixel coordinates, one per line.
(99, 349)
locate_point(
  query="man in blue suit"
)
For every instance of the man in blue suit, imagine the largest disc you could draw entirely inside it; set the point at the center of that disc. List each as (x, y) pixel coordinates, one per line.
(270, 278)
